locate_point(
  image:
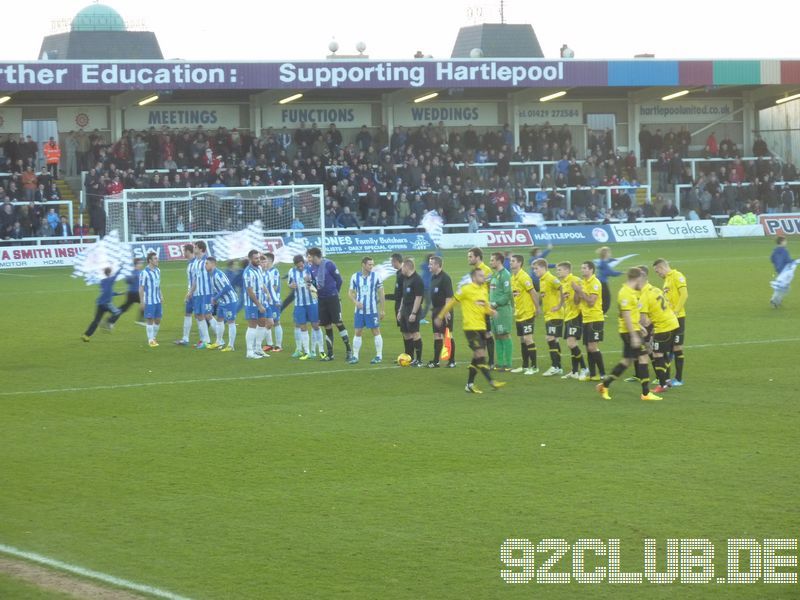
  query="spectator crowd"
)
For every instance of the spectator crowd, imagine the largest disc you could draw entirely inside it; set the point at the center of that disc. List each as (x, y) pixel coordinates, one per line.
(379, 179)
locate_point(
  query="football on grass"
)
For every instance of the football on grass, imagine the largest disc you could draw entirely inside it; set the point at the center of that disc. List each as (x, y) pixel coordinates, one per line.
(404, 360)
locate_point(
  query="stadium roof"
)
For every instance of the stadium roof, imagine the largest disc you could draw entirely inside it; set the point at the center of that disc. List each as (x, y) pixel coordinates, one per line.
(93, 44)
(99, 32)
(497, 40)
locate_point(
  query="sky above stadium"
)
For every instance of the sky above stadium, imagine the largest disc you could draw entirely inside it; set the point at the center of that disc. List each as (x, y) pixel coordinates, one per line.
(248, 30)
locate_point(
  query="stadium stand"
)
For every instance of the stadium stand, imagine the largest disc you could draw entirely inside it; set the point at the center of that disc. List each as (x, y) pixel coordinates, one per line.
(377, 180)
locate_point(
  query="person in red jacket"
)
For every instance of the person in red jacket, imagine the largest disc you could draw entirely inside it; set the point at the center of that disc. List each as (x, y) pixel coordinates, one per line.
(114, 187)
(712, 147)
(52, 156)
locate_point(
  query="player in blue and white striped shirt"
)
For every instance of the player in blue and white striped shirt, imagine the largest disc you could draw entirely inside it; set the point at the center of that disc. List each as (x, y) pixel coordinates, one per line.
(306, 310)
(188, 254)
(254, 309)
(272, 280)
(227, 301)
(267, 299)
(200, 293)
(150, 297)
(366, 292)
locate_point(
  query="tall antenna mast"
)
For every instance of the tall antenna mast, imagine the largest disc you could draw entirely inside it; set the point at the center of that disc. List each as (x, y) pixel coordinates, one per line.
(502, 12)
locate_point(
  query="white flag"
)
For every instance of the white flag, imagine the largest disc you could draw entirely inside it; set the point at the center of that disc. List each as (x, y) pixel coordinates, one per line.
(109, 252)
(287, 252)
(384, 270)
(528, 218)
(237, 245)
(434, 225)
(614, 262)
(784, 278)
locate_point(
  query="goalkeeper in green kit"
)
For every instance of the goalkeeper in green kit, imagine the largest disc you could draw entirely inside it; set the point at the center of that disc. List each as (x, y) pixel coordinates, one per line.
(502, 300)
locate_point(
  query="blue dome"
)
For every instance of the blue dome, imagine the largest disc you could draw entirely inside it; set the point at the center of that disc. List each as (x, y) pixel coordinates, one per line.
(98, 17)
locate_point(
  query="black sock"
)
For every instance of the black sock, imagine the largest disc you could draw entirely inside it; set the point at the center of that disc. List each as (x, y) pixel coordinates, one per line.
(524, 348)
(418, 348)
(555, 353)
(661, 370)
(484, 368)
(590, 360)
(452, 351)
(409, 346)
(329, 340)
(576, 358)
(345, 338)
(598, 361)
(643, 373)
(532, 354)
(490, 349)
(437, 350)
(619, 369)
(679, 365)
(473, 370)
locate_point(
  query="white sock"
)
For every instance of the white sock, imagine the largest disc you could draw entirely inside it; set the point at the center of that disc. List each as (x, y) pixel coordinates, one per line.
(298, 341)
(219, 328)
(304, 341)
(268, 336)
(156, 327)
(202, 327)
(279, 335)
(379, 346)
(356, 345)
(187, 327)
(260, 332)
(149, 329)
(318, 341)
(250, 339)
(231, 335)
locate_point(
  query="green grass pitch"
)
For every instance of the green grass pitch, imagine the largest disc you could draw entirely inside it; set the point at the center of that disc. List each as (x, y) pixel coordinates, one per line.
(216, 477)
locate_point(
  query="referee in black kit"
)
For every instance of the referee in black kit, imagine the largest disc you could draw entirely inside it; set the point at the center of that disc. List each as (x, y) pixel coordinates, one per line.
(409, 314)
(397, 295)
(441, 293)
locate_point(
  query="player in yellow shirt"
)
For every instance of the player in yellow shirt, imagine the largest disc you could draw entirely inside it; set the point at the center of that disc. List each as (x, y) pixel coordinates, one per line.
(552, 309)
(475, 260)
(658, 314)
(474, 301)
(589, 293)
(525, 302)
(573, 327)
(633, 349)
(676, 293)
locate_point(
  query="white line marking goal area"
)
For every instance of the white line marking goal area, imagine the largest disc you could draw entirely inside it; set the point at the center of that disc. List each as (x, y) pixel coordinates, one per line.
(89, 573)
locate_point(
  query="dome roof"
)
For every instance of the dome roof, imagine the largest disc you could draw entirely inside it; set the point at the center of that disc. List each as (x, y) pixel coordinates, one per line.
(98, 17)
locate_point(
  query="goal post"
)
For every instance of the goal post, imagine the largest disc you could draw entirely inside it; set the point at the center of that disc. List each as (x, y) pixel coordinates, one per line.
(194, 213)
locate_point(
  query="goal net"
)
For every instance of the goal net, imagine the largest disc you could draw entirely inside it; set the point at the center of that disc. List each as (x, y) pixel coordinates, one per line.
(202, 213)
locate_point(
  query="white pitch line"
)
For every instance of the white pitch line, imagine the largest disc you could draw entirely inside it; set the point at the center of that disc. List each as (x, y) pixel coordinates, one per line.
(123, 583)
(144, 384)
(747, 343)
(141, 384)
